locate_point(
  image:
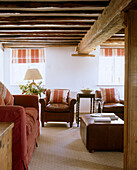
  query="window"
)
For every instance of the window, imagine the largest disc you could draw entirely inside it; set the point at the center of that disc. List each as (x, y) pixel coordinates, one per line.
(22, 59)
(111, 66)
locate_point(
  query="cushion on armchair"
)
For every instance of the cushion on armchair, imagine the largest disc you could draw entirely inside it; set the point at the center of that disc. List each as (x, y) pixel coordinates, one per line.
(58, 96)
(110, 95)
(57, 107)
(113, 107)
(6, 95)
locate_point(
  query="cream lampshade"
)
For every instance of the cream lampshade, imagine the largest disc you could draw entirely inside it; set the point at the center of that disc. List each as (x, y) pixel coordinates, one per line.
(33, 74)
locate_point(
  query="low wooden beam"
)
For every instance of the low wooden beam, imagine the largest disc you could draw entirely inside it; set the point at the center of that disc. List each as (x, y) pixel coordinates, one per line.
(46, 33)
(47, 18)
(38, 44)
(60, 4)
(40, 36)
(113, 42)
(83, 55)
(109, 23)
(122, 31)
(62, 12)
(40, 41)
(48, 23)
(43, 28)
(118, 37)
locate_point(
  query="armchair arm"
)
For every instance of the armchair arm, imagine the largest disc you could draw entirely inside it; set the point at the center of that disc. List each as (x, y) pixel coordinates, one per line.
(17, 115)
(122, 101)
(26, 101)
(98, 105)
(43, 103)
(71, 102)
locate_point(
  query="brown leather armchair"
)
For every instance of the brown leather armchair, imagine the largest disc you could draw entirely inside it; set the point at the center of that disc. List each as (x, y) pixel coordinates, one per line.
(117, 108)
(57, 112)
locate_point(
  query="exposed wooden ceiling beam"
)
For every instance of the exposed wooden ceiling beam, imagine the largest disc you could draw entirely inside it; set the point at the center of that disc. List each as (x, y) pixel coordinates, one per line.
(68, 4)
(109, 23)
(132, 5)
(30, 45)
(83, 55)
(41, 41)
(118, 37)
(47, 18)
(122, 31)
(49, 22)
(48, 15)
(61, 12)
(113, 43)
(41, 36)
(46, 33)
(54, 0)
(44, 28)
(82, 23)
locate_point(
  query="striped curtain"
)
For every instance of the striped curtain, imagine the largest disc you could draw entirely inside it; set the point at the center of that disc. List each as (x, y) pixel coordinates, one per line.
(109, 52)
(28, 55)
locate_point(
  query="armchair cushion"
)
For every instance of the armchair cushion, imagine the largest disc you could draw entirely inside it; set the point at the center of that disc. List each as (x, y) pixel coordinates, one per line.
(57, 108)
(113, 107)
(6, 95)
(58, 96)
(110, 95)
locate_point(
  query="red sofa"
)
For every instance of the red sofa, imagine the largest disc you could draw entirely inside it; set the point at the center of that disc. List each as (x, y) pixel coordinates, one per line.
(24, 114)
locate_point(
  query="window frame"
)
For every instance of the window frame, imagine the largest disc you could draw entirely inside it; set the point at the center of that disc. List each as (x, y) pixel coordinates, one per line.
(29, 65)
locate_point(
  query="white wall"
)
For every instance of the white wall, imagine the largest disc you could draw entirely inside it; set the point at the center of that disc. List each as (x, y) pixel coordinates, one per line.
(74, 73)
(1, 64)
(64, 71)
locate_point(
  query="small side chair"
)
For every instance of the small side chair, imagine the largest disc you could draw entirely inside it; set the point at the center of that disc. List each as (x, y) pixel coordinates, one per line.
(57, 106)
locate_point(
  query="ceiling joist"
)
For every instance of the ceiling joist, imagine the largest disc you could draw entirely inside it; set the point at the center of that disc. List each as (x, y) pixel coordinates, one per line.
(60, 4)
(52, 22)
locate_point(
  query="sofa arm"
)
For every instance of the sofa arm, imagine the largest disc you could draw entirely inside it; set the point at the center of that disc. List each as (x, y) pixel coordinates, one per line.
(26, 101)
(71, 102)
(17, 115)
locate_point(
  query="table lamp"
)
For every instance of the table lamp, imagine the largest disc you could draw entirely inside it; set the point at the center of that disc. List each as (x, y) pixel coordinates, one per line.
(33, 74)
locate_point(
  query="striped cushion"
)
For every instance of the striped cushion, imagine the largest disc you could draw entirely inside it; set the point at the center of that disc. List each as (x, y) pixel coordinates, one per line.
(1, 101)
(6, 95)
(110, 95)
(58, 96)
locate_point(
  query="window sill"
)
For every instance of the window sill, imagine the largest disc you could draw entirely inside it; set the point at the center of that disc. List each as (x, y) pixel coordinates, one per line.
(110, 85)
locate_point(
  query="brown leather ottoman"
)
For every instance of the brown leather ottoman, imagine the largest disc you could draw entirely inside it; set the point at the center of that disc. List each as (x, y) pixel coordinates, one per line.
(101, 136)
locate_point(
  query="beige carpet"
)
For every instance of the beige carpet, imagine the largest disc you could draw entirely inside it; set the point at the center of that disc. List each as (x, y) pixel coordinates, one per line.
(61, 148)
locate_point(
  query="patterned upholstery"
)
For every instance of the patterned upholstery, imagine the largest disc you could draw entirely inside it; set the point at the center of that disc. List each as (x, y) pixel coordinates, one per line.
(1, 101)
(58, 96)
(6, 95)
(110, 95)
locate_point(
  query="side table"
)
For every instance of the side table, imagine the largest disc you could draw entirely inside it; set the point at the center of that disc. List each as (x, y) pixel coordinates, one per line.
(92, 103)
